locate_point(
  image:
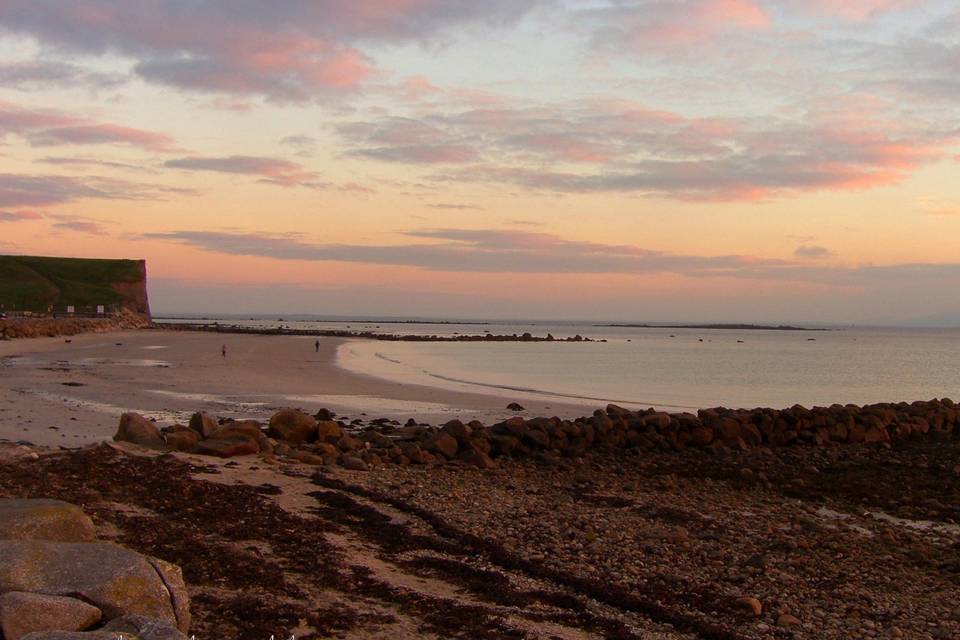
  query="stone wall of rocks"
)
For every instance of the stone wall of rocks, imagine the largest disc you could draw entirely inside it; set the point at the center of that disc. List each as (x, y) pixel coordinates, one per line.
(12, 328)
(57, 581)
(321, 440)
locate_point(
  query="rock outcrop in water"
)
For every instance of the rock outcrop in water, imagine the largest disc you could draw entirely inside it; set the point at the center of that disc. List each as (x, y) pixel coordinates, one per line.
(295, 435)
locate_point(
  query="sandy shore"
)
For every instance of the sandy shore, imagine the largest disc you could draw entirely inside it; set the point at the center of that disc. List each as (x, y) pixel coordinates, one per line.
(60, 393)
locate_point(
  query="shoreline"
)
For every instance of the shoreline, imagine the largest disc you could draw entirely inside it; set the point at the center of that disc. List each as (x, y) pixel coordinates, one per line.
(81, 386)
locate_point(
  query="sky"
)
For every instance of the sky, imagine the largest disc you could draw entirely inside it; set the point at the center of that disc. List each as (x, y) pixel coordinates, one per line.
(645, 160)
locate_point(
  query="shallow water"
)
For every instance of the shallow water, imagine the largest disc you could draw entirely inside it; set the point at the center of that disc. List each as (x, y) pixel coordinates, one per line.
(669, 368)
(686, 369)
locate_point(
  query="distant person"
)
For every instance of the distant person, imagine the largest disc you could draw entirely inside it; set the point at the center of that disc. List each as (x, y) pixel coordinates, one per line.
(223, 351)
(316, 346)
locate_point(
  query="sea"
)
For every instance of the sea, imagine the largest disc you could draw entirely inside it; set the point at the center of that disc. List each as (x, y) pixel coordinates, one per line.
(670, 368)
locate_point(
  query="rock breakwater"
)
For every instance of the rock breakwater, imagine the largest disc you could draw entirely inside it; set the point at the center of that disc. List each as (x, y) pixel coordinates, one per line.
(42, 327)
(320, 440)
(369, 335)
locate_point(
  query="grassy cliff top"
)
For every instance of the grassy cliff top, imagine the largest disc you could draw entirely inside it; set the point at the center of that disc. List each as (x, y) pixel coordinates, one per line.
(33, 283)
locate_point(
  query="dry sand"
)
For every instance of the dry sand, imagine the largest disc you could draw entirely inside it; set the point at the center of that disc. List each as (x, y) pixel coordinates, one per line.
(71, 391)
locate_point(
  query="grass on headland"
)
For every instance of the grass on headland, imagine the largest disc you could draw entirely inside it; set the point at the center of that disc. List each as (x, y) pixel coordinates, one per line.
(30, 283)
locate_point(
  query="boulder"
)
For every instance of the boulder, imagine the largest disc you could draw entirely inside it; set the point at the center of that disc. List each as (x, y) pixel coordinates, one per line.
(138, 430)
(329, 431)
(22, 613)
(44, 520)
(324, 415)
(787, 620)
(238, 438)
(515, 406)
(728, 429)
(180, 438)
(292, 425)
(354, 464)
(616, 411)
(876, 434)
(349, 443)
(112, 578)
(204, 424)
(701, 436)
(458, 430)
(443, 443)
(227, 447)
(478, 459)
(749, 606)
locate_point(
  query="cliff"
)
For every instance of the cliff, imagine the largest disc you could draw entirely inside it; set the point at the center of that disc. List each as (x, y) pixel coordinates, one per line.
(89, 286)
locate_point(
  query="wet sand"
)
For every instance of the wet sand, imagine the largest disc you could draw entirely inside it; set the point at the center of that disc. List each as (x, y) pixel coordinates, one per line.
(59, 393)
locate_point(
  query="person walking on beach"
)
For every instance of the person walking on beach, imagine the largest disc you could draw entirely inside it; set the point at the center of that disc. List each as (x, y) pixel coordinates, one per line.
(223, 351)
(316, 346)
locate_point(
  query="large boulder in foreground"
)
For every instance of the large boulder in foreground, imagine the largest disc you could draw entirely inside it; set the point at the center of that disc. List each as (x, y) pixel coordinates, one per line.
(44, 520)
(24, 613)
(138, 430)
(112, 578)
(291, 425)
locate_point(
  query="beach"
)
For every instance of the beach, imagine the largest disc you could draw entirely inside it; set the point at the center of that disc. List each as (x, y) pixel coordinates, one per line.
(758, 545)
(81, 384)
(668, 527)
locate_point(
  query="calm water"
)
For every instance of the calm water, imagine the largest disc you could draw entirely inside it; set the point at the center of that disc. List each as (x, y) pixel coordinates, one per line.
(668, 368)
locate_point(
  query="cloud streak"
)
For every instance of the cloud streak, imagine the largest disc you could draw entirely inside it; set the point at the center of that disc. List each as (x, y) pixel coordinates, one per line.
(48, 127)
(24, 190)
(289, 51)
(270, 170)
(19, 216)
(488, 251)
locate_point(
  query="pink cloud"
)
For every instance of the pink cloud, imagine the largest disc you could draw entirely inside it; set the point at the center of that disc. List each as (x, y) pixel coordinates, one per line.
(17, 119)
(591, 147)
(105, 134)
(285, 51)
(49, 127)
(19, 216)
(853, 9)
(654, 24)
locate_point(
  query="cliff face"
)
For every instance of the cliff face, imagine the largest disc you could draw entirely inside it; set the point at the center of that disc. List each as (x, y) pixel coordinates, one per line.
(135, 292)
(53, 285)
